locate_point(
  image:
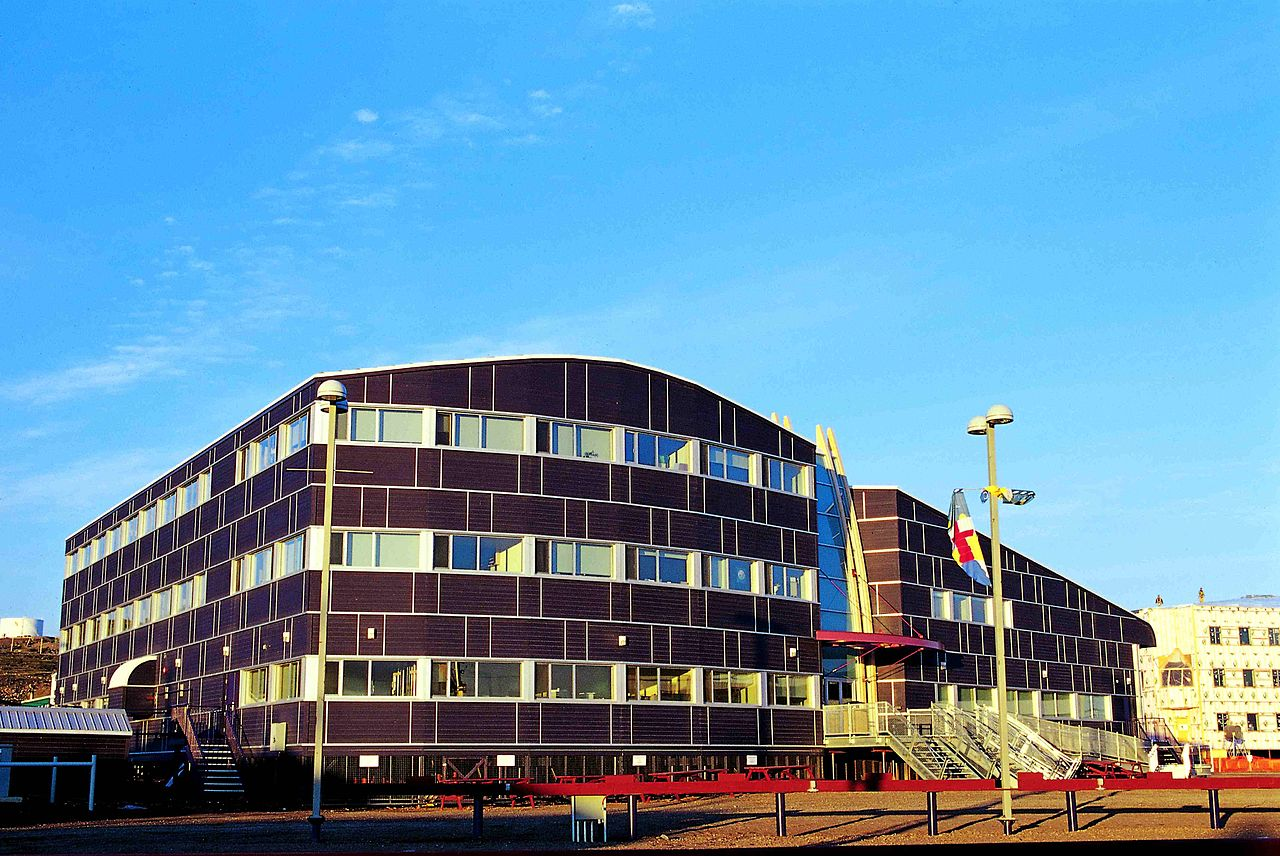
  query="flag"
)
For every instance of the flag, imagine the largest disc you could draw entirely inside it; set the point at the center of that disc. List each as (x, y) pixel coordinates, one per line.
(964, 541)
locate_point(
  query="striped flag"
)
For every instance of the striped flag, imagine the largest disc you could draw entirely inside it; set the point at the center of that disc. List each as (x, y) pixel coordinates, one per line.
(964, 540)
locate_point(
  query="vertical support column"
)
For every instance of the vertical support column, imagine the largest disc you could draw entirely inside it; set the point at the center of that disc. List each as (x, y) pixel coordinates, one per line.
(780, 813)
(477, 816)
(633, 812)
(931, 807)
(1073, 820)
(53, 781)
(93, 780)
(1215, 819)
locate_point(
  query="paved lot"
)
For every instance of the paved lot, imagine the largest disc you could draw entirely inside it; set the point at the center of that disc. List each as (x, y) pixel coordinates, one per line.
(717, 822)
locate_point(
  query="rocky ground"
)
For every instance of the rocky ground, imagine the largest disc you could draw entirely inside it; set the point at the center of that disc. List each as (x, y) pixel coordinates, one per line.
(25, 666)
(717, 822)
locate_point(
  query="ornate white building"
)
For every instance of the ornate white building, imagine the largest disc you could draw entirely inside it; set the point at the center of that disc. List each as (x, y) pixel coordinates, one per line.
(1216, 667)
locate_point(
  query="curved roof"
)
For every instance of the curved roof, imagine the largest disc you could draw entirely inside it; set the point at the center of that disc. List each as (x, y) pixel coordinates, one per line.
(516, 357)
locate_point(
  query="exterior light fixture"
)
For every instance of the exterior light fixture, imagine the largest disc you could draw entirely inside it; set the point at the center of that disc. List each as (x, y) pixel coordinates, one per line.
(371, 633)
(622, 641)
(792, 651)
(977, 425)
(226, 650)
(285, 637)
(998, 414)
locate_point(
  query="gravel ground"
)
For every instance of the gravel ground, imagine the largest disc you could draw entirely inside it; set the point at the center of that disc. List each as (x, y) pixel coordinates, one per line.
(714, 822)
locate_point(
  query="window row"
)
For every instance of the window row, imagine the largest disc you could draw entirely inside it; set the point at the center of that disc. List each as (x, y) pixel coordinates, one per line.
(524, 554)
(1046, 704)
(270, 563)
(175, 599)
(263, 452)
(572, 440)
(1251, 721)
(1248, 678)
(1245, 635)
(500, 679)
(155, 515)
(957, 606)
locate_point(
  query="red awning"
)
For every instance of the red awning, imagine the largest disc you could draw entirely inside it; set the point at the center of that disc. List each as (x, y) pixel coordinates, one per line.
(878, 649)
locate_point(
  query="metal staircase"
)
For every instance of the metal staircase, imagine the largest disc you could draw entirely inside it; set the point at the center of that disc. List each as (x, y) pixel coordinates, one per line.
(949, 742)
(214, 750)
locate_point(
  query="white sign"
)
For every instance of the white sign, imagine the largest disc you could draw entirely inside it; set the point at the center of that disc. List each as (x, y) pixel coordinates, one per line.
(639, 760)
(368, 760)
(506, 760)
(752, 760)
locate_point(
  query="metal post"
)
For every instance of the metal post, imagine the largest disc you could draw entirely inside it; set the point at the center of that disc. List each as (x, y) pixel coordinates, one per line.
(997, 594)
(633, 812)
(322, 649)
(1073, 820)
(53, 781)
(780, 813)
(477, 816)
(1215, 819)
(931, 806)
(93, 779)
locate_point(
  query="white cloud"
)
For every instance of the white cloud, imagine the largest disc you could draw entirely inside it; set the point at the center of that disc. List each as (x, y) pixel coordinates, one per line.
(539, 94)
(523, 140)
(82, 487)
(633, 14)
(365, 116)
(123, 366)
(547, 110)
(137, 280)
(378, 199)
(359, 150)
(169, 221)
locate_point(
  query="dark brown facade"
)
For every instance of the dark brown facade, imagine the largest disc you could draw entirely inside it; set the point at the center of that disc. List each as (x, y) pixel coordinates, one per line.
(1063, 639)
(428, 625)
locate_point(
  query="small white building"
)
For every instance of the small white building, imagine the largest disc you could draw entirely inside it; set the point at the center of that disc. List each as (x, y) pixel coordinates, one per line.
(1215, 665)
(14, 627)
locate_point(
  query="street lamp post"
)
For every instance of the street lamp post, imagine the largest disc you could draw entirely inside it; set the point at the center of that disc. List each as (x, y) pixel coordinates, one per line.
(986, 425)
(334, 394)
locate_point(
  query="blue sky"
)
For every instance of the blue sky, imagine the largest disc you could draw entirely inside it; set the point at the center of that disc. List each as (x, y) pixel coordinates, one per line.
(883, 217)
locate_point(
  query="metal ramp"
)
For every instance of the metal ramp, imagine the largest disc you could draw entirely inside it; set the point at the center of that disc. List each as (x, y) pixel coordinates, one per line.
(949, 742)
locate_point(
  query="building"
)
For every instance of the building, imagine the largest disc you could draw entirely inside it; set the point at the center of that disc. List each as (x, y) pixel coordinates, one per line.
(1214, 672)
(572, 561)
(15, 628)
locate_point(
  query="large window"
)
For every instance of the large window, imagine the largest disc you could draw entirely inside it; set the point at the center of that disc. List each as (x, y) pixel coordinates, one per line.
(161, 604)
(792, 690)
(956, 606)
(131, 529)
(365, 678)
(575, 558)
(291, 556)
(286, 681)
(662, 566)
(142, 613)
(1056, 705)
(147, 519)
(786, 581)
(725, 572)
(252, 570)
(788, 476)
(651, 683)
(1022, 702)
(1244, 636)
(1215, 635)
(731, 687)
(1094, 707)
(253, 686)
(656, 450)
(1219, 677)
(297, 434)
(472, 431)
(376, 549)
(380, 425)
(1273, 635)
(1247, 677)
(728, 464)
(575, 441)
(194, 492)
(168, 509)
(475, 679)
(479, 553)
(572, 681)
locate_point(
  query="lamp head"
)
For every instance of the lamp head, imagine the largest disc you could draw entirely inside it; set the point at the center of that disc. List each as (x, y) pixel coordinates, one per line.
(332, 391)
(999, 415)
(977, 425)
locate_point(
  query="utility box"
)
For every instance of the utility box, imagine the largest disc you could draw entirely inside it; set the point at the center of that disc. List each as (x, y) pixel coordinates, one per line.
(6, 755)
(587, 818)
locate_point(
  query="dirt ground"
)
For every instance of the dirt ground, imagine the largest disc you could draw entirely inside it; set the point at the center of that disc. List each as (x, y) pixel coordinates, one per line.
(695, 823)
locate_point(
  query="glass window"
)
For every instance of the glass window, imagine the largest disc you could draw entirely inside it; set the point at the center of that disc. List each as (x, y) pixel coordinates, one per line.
(978, 606)
(286, 681)
(788, 476)
(401, 426)
(355, 678)
(264, 453)
(728, 464)
(131, 529)
(161, 603)
(113, 539)
(1222, 721)
(1215, 635)
(1273, 635)
(471, 431)
(961, 607)
(650, 683)
(1244, 636)
(1056, 705)
(475, 679)
(255, 569)
(580, 441)
(90, 631)
(1219, 677)
(1093, 707)
(398, 549)
(725, 572)
(364, 424)
(297, 434)
(376, 549)
(147, 521)
(1022, 702)
(1251, 722)
(939, 605)
(182, 596)
(191, 494)
(253, 686)
(1247, 677)
(393, 678)
(292, 556)
(655, 450)
(661, 566)
(1275, 678)
(143, 611)
(731, 687)
(168, 509)
(569, 681)
(791, 690)
(575, 558)
(786, 581)
(479, 553)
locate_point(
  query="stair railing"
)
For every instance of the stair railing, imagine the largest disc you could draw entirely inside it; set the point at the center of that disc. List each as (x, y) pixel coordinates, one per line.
(181, 716)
